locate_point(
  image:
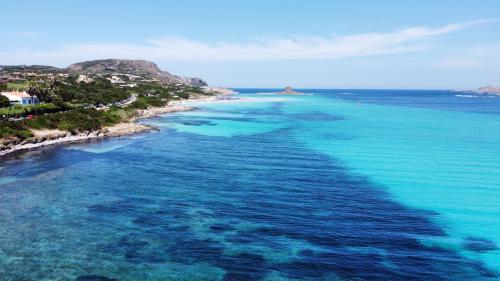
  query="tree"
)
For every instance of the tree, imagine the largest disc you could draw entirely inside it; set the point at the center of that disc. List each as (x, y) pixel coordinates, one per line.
(58, 101)
(3, 87)
(42, 92)
(32, 91)
(4, 101)
(43, 95)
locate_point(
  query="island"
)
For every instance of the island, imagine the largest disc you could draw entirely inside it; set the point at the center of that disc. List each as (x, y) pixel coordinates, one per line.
(44, 105)
(488, 90)
(289, 91)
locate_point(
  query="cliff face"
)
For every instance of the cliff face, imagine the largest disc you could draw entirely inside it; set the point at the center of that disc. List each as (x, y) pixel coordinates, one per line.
(145, 69)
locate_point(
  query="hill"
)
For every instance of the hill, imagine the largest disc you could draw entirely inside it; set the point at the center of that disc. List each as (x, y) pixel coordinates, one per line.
(29, 68)
(142, 68)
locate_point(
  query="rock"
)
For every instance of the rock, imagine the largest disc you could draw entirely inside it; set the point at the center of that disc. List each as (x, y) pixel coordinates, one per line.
(488, 90)
(218, 91)
(122, 129)
(289, 91)
(197, 82)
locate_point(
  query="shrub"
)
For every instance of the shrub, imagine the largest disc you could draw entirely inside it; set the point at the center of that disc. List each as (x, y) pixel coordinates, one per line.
(4, 101)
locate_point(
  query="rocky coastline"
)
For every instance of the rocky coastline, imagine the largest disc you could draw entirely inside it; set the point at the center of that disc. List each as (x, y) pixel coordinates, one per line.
(47, 137)
(44, 138)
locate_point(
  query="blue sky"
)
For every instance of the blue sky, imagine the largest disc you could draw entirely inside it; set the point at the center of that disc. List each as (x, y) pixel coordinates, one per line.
(317, 44)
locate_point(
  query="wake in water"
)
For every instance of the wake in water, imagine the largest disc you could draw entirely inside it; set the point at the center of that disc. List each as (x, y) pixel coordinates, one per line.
(467, 96)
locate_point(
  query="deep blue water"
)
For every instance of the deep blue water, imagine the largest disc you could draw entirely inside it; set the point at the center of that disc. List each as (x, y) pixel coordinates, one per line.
(434, 99)
(297, 189)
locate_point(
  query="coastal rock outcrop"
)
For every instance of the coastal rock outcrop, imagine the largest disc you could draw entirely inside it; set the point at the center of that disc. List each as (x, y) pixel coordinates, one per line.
(194, 81)
(128, 128)
(218, 91)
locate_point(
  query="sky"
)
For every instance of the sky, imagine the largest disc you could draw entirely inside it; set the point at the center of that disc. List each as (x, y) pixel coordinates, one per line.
(425, 44)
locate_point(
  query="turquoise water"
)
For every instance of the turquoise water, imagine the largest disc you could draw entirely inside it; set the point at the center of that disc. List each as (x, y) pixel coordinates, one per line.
(443, 161)
(333, 185)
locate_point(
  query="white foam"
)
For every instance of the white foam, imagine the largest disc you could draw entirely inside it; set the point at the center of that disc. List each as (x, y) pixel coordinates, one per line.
(467, 96)
(97, 149)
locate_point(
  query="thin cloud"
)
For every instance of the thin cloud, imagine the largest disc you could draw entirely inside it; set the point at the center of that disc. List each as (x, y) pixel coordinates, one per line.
(292, 48)
(461, 62)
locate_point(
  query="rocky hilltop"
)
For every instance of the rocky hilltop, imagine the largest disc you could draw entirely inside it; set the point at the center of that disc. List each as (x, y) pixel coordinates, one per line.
(145, 69)
(142, 68)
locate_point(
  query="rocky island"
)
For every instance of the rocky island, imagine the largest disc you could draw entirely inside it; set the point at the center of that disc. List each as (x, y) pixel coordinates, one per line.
(289, 91)
(488, 90)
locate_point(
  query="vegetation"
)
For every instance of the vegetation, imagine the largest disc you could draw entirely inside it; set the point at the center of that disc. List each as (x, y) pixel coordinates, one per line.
(16, 86)
(82, 107)
(19, 111)
(14, 129)
(98, 92)
(75, 121)
(4, 102)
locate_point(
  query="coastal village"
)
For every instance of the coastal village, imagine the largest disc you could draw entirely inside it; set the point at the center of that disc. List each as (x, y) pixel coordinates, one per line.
(43, 104)
(13, 85)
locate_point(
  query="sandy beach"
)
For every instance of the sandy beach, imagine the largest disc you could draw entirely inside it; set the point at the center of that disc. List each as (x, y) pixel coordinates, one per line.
(232, 99)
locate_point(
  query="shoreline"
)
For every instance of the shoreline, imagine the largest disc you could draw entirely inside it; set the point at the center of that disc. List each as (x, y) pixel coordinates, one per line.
(44, 138)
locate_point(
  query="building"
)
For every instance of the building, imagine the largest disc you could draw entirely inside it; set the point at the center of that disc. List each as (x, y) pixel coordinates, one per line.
(84, 79)
(12, 79)
(130, 85)
(21, 98)
(115, 80)
(17, 75)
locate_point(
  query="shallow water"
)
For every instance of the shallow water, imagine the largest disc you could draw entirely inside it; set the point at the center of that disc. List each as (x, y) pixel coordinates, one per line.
(338, 185)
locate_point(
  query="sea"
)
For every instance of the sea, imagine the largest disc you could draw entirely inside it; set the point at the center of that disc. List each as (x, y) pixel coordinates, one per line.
(329, 185)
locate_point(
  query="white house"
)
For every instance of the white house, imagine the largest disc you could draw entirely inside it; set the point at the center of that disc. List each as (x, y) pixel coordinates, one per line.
(20, 98)
(115, 80)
